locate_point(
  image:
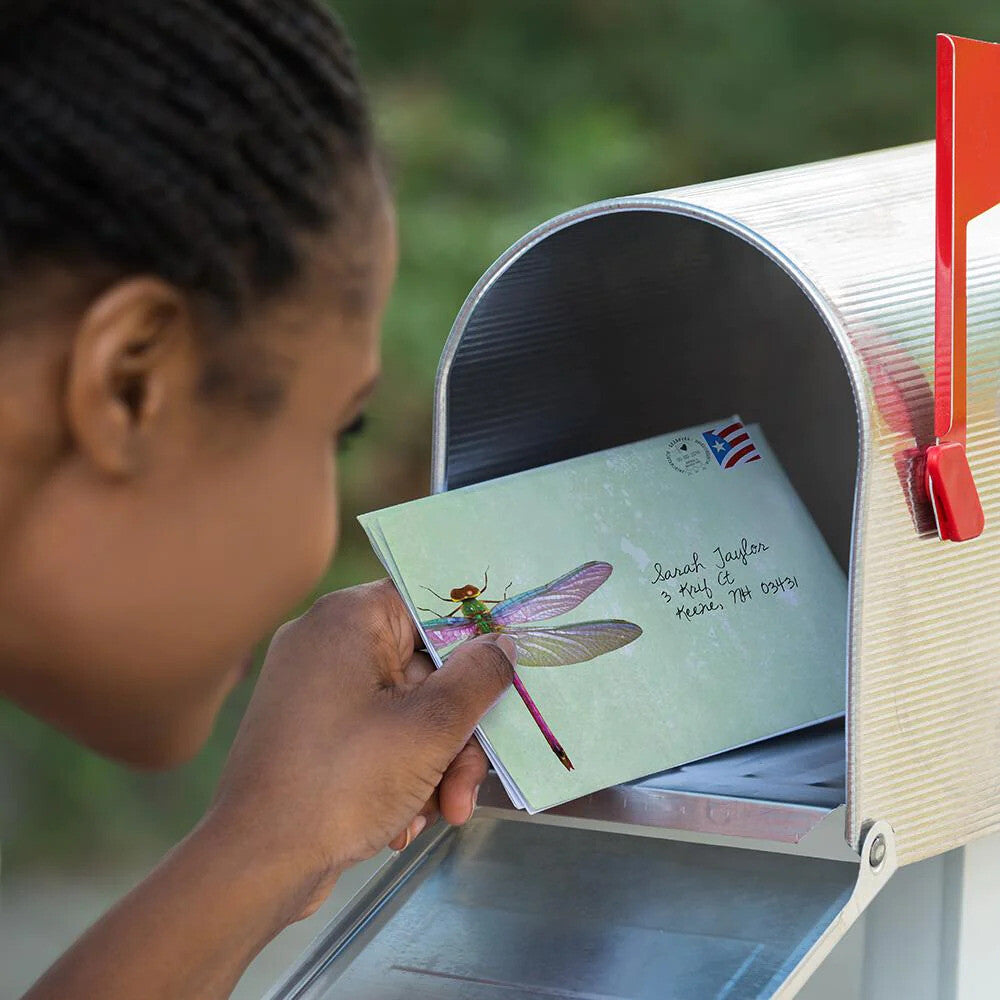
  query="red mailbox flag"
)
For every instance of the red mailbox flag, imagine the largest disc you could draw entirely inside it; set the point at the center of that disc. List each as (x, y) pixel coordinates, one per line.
(968, 184)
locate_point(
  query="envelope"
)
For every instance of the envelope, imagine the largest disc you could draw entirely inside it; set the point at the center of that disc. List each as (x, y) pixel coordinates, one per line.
(670, 599)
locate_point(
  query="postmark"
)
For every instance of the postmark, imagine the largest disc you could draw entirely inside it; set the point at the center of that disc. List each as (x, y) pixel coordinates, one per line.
(688, 455)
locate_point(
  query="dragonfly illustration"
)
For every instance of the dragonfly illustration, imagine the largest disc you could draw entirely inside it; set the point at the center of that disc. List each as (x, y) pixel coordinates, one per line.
(536, 647)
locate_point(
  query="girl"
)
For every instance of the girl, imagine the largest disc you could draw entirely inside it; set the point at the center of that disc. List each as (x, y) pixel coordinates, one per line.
(196, 244)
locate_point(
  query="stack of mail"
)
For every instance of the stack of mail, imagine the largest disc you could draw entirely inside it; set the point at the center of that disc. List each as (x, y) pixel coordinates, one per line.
(670, 599)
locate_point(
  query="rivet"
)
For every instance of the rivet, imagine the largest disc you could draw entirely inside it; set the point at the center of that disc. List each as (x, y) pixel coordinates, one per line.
(877, 853)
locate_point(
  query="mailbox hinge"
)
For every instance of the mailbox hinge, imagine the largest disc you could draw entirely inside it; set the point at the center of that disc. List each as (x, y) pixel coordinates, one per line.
(878, 863)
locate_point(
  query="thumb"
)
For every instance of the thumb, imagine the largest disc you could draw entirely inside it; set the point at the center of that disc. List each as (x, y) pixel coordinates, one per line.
(470, 681)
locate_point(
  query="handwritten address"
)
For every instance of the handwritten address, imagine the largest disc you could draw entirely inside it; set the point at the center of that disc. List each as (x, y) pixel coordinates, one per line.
(700, 587)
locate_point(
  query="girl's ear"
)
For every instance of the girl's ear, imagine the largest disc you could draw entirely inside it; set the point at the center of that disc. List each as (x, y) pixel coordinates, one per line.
(132, 360)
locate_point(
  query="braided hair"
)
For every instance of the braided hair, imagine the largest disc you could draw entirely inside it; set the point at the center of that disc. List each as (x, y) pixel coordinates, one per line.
(191, 139)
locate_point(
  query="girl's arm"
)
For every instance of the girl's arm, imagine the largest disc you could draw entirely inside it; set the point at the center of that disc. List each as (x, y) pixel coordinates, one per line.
(350, 738)
(189, 930)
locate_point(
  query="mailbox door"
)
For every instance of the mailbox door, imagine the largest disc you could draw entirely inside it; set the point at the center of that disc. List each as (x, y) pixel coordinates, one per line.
(523, 909)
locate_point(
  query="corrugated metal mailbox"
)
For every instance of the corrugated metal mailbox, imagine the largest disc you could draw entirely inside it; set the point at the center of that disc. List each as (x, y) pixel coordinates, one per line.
(804, 299)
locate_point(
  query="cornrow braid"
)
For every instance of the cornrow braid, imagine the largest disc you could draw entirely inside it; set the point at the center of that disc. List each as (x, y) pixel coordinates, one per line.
(193, 139)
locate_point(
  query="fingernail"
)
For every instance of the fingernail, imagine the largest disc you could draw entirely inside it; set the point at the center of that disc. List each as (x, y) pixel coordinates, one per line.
(475, 796)
(417, 826)
(509, 647)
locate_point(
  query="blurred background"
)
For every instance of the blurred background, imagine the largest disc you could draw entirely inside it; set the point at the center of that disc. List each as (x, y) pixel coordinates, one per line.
(494, 117)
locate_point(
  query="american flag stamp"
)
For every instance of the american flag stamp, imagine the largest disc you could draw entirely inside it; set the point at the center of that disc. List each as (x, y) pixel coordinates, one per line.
(731, 445)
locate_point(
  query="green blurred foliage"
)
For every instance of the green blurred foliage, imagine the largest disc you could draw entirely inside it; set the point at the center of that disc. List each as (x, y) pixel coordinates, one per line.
(495, 117)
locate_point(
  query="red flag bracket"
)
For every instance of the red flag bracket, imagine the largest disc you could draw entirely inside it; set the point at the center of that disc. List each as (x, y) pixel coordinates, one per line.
(968, 184)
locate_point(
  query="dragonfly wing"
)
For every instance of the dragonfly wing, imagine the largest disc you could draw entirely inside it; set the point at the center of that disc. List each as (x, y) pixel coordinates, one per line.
(556, 647)
(555, 598)
(444, 631)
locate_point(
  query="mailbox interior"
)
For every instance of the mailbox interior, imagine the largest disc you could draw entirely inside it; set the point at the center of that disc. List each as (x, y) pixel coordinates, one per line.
(633, 318)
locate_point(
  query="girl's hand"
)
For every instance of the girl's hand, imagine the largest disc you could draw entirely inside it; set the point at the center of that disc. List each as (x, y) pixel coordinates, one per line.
(349, 737)
(352, 740)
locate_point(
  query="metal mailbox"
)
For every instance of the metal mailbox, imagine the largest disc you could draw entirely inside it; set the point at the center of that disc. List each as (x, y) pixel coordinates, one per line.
(802, 298)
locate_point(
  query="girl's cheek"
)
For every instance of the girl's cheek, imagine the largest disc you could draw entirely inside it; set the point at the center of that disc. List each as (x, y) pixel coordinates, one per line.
(323, 526)
(331, 504)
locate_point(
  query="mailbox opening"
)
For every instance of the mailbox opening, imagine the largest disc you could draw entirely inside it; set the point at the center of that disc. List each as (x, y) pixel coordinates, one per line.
(632, 318)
